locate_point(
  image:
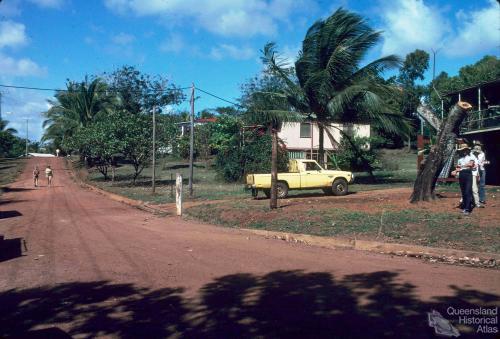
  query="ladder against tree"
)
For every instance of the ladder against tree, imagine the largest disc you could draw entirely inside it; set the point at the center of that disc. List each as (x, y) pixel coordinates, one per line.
(445, 172)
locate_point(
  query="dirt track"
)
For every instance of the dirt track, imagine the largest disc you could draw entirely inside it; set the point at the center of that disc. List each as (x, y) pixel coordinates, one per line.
(94, 267)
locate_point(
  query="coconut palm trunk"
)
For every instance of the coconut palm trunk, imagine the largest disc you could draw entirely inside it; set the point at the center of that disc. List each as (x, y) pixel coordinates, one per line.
(273, 203)
(321, 148)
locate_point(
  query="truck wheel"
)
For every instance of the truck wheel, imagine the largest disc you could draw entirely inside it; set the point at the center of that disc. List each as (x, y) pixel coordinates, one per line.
(282, 190)
(267, 193)
(339, 187)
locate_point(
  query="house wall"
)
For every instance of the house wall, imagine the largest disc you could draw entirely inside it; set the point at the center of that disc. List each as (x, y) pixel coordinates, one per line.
(290, 134)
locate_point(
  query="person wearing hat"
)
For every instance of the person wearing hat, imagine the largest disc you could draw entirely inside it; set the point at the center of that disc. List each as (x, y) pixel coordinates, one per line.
(466, 163)
(475, 182)
(481, 161)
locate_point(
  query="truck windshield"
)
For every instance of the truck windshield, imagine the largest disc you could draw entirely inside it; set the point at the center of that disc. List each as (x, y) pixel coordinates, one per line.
(312, 166)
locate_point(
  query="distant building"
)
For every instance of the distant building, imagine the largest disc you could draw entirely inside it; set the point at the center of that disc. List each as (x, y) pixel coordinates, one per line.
(185, 125)
(483, 123)
(302, 139)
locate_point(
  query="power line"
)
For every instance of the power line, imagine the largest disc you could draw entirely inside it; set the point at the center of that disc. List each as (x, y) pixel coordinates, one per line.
(117, 91)
(218, 97)
(107, 90)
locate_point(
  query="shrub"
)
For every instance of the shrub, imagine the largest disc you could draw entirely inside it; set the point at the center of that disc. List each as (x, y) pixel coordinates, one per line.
(349, 159)
(234, 161)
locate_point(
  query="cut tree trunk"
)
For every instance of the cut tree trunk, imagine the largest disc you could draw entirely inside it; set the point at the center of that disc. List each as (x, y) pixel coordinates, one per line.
(423, 189)
(273, 203)
(429, 116)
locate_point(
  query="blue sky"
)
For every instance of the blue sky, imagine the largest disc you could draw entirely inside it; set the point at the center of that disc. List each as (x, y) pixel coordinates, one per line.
(213, 43)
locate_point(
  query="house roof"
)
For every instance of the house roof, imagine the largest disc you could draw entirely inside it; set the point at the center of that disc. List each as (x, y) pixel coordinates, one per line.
(492, 83)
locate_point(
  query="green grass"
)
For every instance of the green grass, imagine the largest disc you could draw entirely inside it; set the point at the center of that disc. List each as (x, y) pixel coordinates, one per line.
(411, 226)
(10, 170)
(207, 186)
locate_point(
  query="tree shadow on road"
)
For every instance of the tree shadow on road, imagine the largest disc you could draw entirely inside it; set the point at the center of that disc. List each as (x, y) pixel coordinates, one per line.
(281, 304)
(10, 248)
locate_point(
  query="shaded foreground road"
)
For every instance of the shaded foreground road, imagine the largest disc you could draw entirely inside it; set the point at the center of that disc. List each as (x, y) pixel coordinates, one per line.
(74, 262)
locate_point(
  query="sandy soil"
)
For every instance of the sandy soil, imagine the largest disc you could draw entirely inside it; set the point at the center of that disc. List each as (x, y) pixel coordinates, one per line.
(73, 262)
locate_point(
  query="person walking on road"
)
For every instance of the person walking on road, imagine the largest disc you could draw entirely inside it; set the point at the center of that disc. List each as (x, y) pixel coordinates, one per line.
(36, 174)
(464, 171)
(49, 174)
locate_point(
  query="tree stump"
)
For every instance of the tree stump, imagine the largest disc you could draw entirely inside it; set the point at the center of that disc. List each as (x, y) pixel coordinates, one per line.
(423, 189)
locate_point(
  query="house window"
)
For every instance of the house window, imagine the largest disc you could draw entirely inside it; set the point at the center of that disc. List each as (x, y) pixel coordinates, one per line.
(305, 130)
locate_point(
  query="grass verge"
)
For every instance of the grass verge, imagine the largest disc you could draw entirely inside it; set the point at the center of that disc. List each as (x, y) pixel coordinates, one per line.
(411, 226)
(10, 170)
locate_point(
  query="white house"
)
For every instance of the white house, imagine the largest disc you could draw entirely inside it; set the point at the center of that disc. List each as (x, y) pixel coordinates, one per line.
(302, 139)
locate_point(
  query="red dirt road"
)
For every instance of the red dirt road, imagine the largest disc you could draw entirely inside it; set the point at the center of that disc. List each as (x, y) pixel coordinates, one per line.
(74, 262)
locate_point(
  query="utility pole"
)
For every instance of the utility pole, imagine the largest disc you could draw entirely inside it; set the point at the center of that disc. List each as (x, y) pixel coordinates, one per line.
(27, 119)
(191, 143)
(0, 105)
(153, 179)
(434, 52)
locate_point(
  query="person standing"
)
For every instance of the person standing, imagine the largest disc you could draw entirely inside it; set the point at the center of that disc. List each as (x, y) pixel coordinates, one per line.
(464, 172)
(36, 174)
(481, 159)
(49, 174)
(475, 182)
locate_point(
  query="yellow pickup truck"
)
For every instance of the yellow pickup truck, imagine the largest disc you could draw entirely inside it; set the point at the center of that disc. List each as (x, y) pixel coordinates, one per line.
(303, 174)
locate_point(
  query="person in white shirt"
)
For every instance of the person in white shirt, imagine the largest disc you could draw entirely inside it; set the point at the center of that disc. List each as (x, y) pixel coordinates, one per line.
(475, 182)
(481, 158)
(464, 170)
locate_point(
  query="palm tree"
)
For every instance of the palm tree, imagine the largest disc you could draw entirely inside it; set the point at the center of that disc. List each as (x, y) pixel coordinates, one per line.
(266, 104)
(330, 83)
(78, 106)
(3, 127)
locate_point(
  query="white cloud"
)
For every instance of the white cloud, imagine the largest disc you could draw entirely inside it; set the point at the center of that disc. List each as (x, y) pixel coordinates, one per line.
(234, 52)
(478, 32)
(174, 43)
(12, 34)
(225, 17)
(411, 24)
(123, 39)
(290, 53)
(48, 3)
(20, 67)
(21, 104)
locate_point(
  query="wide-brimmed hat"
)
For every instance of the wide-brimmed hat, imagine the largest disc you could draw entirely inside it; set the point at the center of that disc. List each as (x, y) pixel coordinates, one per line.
(476, 148)
(463, 147)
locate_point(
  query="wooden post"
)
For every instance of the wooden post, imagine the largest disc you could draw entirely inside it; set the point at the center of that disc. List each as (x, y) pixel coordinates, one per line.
(178, 193)
(191, 143)
(153, 179)
(171, 185)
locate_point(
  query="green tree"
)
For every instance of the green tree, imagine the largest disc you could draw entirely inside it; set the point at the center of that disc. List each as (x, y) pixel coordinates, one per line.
(486, 69)
(101, 142)
(266, 104)
(10, 144)
(331, 85)
(78, 106)
(408, 96)
(140, 92)
(136, 136)
(4, 128)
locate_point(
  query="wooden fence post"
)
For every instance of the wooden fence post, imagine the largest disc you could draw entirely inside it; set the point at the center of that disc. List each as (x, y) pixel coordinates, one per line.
(178, 193)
